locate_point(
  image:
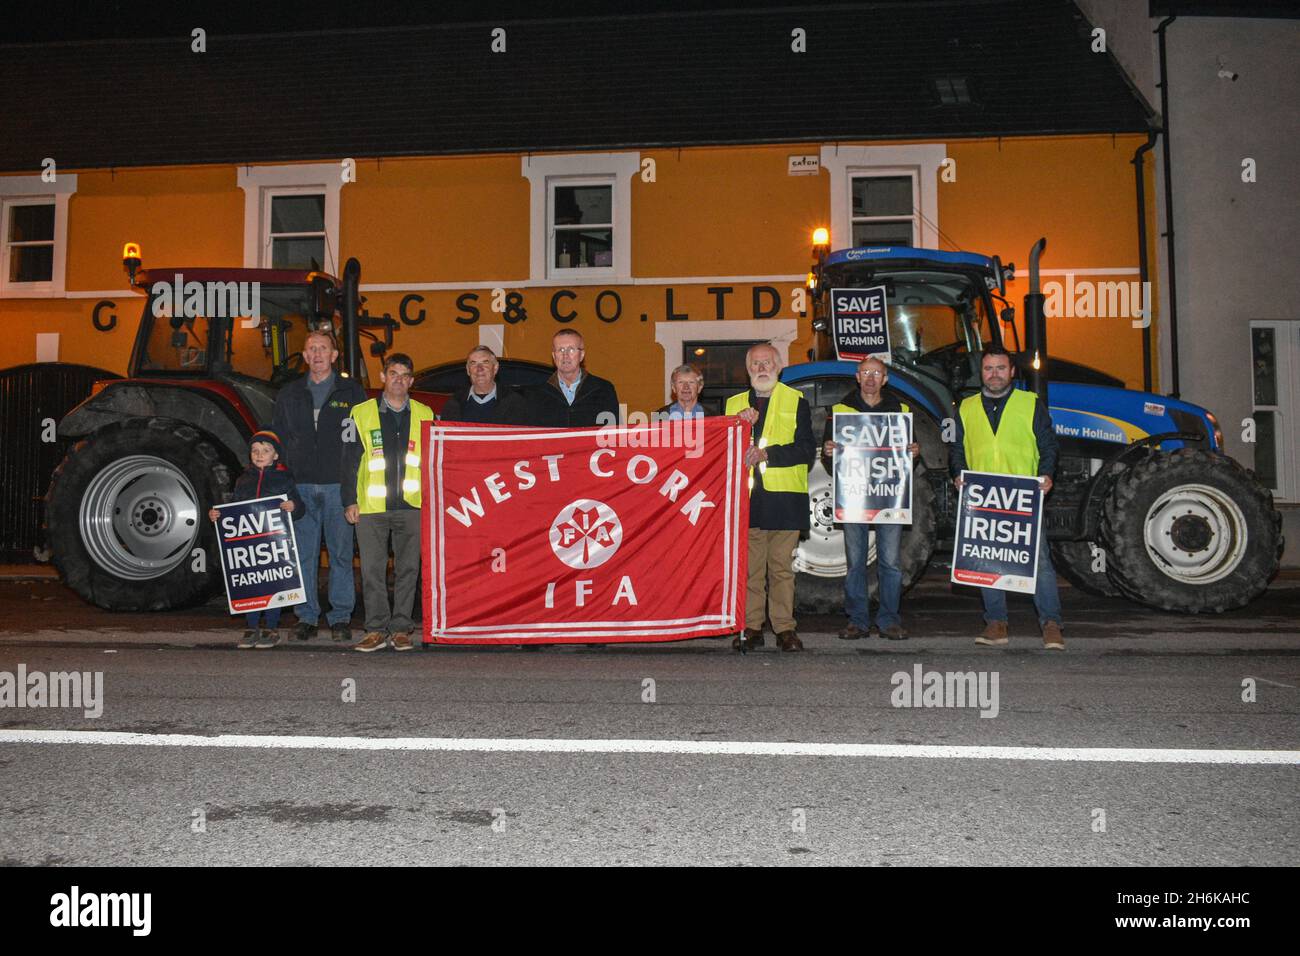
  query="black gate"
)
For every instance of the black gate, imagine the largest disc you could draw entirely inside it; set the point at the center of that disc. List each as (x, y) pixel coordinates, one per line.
(33, 399)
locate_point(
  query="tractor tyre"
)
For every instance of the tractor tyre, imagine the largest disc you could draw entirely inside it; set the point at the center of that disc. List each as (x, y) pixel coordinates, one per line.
(1191, 531)
(820, 563)
(1074, 560)
(126, 515)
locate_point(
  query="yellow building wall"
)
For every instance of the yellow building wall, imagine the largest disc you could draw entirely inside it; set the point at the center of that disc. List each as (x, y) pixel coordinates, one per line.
(710, 212)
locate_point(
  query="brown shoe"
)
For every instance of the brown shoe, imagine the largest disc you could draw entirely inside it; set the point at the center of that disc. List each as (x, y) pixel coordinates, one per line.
(995, 634)
(789, 641)
(1052, 639)
(401, 641)
(371, 642)
(894, 633)
(750, 637)
(853, 633)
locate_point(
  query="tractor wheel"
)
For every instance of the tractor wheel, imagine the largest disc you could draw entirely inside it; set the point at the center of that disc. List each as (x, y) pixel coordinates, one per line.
(127, 509)
(1075, 560)
(1191, 531)
(819, 561)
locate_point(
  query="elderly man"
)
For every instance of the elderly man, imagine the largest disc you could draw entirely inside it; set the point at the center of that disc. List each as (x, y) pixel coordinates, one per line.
(686, 384)
(572, 396)
(1007, 431)
(483, 401)
(784, 447)
(310, 414)
(868, 397)
(383, 500)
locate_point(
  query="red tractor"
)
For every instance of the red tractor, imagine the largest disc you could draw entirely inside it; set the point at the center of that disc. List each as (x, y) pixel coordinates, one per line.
(126, 510)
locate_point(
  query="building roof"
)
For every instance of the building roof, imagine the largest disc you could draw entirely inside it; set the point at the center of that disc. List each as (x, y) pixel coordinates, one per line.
(872, 71)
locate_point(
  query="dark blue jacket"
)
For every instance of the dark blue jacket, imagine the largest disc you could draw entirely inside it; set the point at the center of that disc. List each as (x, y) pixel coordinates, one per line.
(266, 483)
(314, 451)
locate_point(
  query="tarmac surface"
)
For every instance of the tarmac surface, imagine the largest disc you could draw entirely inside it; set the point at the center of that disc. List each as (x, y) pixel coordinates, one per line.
(1153, 739)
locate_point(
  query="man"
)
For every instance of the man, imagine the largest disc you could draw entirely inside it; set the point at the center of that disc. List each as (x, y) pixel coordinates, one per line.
(868, 397)
(572, 396)
(309, 417)
(483, 402)
(383, 501)
(686, 384)
(783, 449)
(1006, 430)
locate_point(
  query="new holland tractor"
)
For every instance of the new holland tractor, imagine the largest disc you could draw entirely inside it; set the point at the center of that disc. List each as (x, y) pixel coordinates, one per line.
(1145, 503)
(126, 511)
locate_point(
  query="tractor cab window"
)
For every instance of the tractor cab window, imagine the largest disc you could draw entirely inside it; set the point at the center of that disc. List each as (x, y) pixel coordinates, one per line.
(938, 321)
(266, 346)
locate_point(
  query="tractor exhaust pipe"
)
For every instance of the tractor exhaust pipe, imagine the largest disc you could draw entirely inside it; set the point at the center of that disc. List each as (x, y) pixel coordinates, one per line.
(1036, 327)
(351, 309)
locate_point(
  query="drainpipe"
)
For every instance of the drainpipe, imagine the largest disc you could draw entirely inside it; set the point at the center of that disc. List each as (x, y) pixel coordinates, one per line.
(1144, 266)
(1169, 211)
(351, 307)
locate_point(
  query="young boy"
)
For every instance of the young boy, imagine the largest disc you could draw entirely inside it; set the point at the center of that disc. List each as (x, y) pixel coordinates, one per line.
(265, 477)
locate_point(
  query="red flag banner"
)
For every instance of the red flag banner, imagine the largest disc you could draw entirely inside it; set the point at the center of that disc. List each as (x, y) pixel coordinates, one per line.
(577, 535)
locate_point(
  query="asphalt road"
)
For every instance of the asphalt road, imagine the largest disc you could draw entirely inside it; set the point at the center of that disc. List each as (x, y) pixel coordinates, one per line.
(1130, 679)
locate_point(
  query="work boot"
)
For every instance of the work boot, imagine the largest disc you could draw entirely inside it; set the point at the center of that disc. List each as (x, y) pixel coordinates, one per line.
(853, 633)
(248, 640)
(341, 631)
(401, 641)
(1052, 638)
(789, 641)
(304, 631)
(894, 632)
(995, 634)
(750, 638)
(268, 639)
(371, 642)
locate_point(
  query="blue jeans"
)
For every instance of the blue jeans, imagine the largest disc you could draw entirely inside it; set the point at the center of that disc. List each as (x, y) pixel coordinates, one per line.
(888, 572)
(1047, 600)
(270, 619)
(324, 515)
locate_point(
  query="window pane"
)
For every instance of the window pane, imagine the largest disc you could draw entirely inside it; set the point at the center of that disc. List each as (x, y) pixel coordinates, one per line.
(1266, 450)
(297, 253)
(1264, 358)
(582, 248)
(298, 213)
(882, 233)
(31, 263)
(31, 223)
(882, 196)
(575, 205)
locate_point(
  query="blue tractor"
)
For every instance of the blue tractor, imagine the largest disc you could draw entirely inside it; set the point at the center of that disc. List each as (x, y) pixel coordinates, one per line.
(1145, 503)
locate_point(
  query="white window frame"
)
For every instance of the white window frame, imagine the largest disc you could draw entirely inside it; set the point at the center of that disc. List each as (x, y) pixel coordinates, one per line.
(843, 163)
(899, 173)
(272, 192)
(573, 169)
(1286, 413)
(578, 272)
(261, 182)
(31, 191)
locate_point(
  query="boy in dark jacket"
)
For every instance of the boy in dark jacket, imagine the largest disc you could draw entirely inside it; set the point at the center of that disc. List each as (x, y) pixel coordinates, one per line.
(265, 477)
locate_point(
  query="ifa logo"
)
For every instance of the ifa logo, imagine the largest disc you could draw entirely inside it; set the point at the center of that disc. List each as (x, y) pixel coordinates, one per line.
(586, 533)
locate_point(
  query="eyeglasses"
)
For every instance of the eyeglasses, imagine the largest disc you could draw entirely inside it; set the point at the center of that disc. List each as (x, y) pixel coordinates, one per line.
(567, 350)
(871, 374)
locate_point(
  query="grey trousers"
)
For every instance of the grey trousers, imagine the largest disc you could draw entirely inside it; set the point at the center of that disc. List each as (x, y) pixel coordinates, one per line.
(373, 531)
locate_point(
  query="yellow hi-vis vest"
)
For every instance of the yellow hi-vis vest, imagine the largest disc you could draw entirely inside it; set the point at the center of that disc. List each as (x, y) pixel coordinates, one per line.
(778, 429)
(372, 490)
(1014, 449)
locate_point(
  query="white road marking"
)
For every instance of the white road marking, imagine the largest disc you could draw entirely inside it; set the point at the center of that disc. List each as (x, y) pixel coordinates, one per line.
(707, 748)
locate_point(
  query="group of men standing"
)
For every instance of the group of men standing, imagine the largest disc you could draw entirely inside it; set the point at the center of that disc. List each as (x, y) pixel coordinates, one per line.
(357, 464)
